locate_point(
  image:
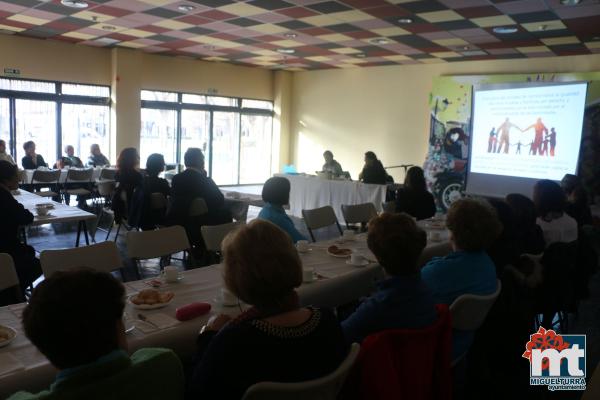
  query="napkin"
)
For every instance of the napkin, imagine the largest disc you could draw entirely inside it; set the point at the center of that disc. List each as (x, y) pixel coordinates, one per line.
(8, 363)
(161, 320)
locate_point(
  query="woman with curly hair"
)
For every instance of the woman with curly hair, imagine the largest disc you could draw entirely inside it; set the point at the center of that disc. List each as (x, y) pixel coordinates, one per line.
(473, 226)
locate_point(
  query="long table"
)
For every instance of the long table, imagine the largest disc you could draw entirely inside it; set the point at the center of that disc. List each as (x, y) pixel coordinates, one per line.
(337, 283)
(308, 192)
(60, 213)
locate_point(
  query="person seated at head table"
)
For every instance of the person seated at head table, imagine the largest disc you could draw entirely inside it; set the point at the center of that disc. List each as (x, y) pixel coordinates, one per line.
(14, 216)
(529, 235)
(96, 158)
(550, 204)
(373, 171)
(473, 226)
(31, 160)
(152, 183)
(4, 156)
(128, 179)
(577, 200)
(275, 339)
(189, 185)
(413, 198)
(70, 160)
(402, 299)
(276, 194)
(75, 319)
(331, 165)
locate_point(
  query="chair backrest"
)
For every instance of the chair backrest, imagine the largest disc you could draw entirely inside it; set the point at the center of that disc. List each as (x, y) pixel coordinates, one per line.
(358, 213)
(325, 388)
(436, 250)
(198, 207)
(158, 243)
(22, 176)
(406, 363)
(40, 176)
(108, 174)
(213, 235)
(8, 273)
(158, 201)
(469, 310)
(79, 175)
(106, 189)
(103, 256)
(389, 206)
(320, 218)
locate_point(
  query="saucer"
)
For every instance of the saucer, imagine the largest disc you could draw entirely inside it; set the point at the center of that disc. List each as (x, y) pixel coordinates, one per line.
(44, 216)
(364, 263)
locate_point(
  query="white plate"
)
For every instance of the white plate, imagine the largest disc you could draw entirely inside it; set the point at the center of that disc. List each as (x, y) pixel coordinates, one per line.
(364, 263)
(305, 251)
(148, 306)
(11, 333)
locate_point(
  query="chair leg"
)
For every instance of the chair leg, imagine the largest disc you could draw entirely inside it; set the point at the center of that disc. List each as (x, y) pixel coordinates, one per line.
(117, 233)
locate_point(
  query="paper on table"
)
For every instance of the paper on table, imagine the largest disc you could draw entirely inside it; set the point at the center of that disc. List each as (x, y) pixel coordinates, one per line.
(161, 320)
(8, 363)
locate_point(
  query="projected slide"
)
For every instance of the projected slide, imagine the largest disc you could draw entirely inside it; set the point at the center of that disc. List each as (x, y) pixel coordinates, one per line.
(527, 132)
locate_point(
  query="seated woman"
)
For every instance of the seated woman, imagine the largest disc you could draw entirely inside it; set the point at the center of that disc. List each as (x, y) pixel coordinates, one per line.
(550, 203)
(276, 194)
(152, 183)
(15, 215)
(473, 226)
(577, 200)
(31, 159)
(403, 300)
(373, 171)
(413, 198)
(74, 318)
(128, 179)
(529, 237)
(276, 339)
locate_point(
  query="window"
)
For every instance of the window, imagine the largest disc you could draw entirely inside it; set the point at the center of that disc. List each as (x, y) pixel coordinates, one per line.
(236, 142)
(53, 115)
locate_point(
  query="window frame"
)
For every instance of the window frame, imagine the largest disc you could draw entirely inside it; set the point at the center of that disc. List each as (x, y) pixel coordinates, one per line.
(180, 105)
(58, 97)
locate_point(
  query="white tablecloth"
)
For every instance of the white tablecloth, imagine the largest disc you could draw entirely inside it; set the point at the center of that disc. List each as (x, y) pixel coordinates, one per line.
(63, 175)
(308, 192)
(338, 283)
(60, 212)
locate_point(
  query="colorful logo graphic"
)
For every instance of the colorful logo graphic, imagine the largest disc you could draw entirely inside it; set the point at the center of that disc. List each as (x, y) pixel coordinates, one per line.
(556, 361)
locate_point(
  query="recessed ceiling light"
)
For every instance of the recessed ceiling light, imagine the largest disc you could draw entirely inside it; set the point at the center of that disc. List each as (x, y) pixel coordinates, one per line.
(465, 48)
(74, 3)
(542, 27)
(286, 51)
(405, 21)
(505, 30)
(107, 41)
(109, 28)
(361, 55)
(380, 41)
(570, 2)
(186, 8)
(291, 35)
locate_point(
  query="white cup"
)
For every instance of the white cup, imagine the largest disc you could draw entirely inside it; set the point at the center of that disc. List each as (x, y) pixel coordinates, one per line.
(302, 246)
(308, 274)
(348, 235)
(228, 298)
(171, 274)
(356, 258)
(41, 211)
(435, 236)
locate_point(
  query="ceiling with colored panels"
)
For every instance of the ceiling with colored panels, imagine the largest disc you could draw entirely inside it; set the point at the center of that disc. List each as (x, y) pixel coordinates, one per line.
(317, 34)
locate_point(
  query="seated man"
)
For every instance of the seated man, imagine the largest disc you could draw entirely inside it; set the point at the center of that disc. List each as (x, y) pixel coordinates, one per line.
(75, 319)
(96, 158)
(191, 184)
(473, 227)
(403, 300)
(70, 160)
(332, 165)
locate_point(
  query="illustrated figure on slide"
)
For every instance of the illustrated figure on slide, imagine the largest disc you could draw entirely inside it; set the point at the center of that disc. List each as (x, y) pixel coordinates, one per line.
(552, 138)
(519, 144)
(492, 141)
(540, 132)
(504, 130)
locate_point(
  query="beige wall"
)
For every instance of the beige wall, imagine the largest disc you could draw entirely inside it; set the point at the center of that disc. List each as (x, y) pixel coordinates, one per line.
(127, 72)
(384, 109)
